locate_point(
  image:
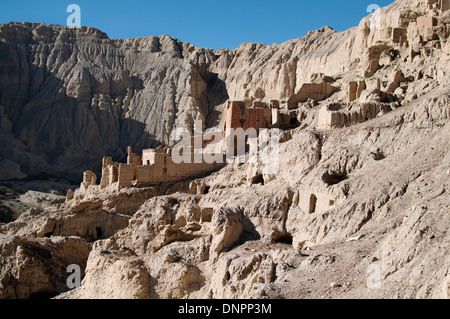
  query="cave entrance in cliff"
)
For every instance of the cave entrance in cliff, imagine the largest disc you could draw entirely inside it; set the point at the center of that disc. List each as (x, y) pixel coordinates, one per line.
(293, 121)
(285, 239)
(257, 179)
(332, 178)
(99, 232)
(312, 203)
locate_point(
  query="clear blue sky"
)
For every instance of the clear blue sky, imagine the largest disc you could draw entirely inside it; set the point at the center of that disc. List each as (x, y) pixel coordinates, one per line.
(213, 24)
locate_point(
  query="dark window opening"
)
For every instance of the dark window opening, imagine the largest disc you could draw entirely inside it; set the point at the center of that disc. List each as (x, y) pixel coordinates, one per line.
(258, 179)
(312, 203)
(285, 239)
(207, 214)
(378, 155)
(99, 232)
(172, 201)
(333, 178)
(227, 277)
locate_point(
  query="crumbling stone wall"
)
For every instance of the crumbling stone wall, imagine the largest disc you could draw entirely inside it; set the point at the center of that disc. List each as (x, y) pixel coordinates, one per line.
(133, 159)
(110, 172)
(330, 117)
(315, 203)
(355, 89)
(238, 116)
(162, 169)
(89, 178)
(259, 115)
(127, 174)
(315, 91)
(166, 170)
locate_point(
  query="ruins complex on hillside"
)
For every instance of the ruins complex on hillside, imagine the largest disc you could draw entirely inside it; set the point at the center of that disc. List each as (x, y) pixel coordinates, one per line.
(310, 169)
(157, 166)
(361, 99)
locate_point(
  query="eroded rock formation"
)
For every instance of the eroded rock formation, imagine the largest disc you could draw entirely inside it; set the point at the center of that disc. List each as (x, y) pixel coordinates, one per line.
(363, 175)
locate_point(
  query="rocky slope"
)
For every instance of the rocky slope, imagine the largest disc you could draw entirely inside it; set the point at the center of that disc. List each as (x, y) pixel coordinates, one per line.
(366, 203)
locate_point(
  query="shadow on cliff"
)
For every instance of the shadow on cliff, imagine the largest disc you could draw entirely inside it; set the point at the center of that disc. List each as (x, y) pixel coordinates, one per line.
(250, 233)
(57, 135)
(215, 96)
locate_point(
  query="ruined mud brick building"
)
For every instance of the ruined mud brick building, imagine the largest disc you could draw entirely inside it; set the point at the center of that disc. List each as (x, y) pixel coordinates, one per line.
(156, 166)
(414, 36)
(258, 115)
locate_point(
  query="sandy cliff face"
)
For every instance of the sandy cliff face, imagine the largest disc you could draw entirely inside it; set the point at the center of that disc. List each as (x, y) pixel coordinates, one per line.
(358, 209)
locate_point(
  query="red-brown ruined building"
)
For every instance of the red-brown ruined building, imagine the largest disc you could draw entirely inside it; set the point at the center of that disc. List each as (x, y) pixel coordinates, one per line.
(258, 116)
(157, 166)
